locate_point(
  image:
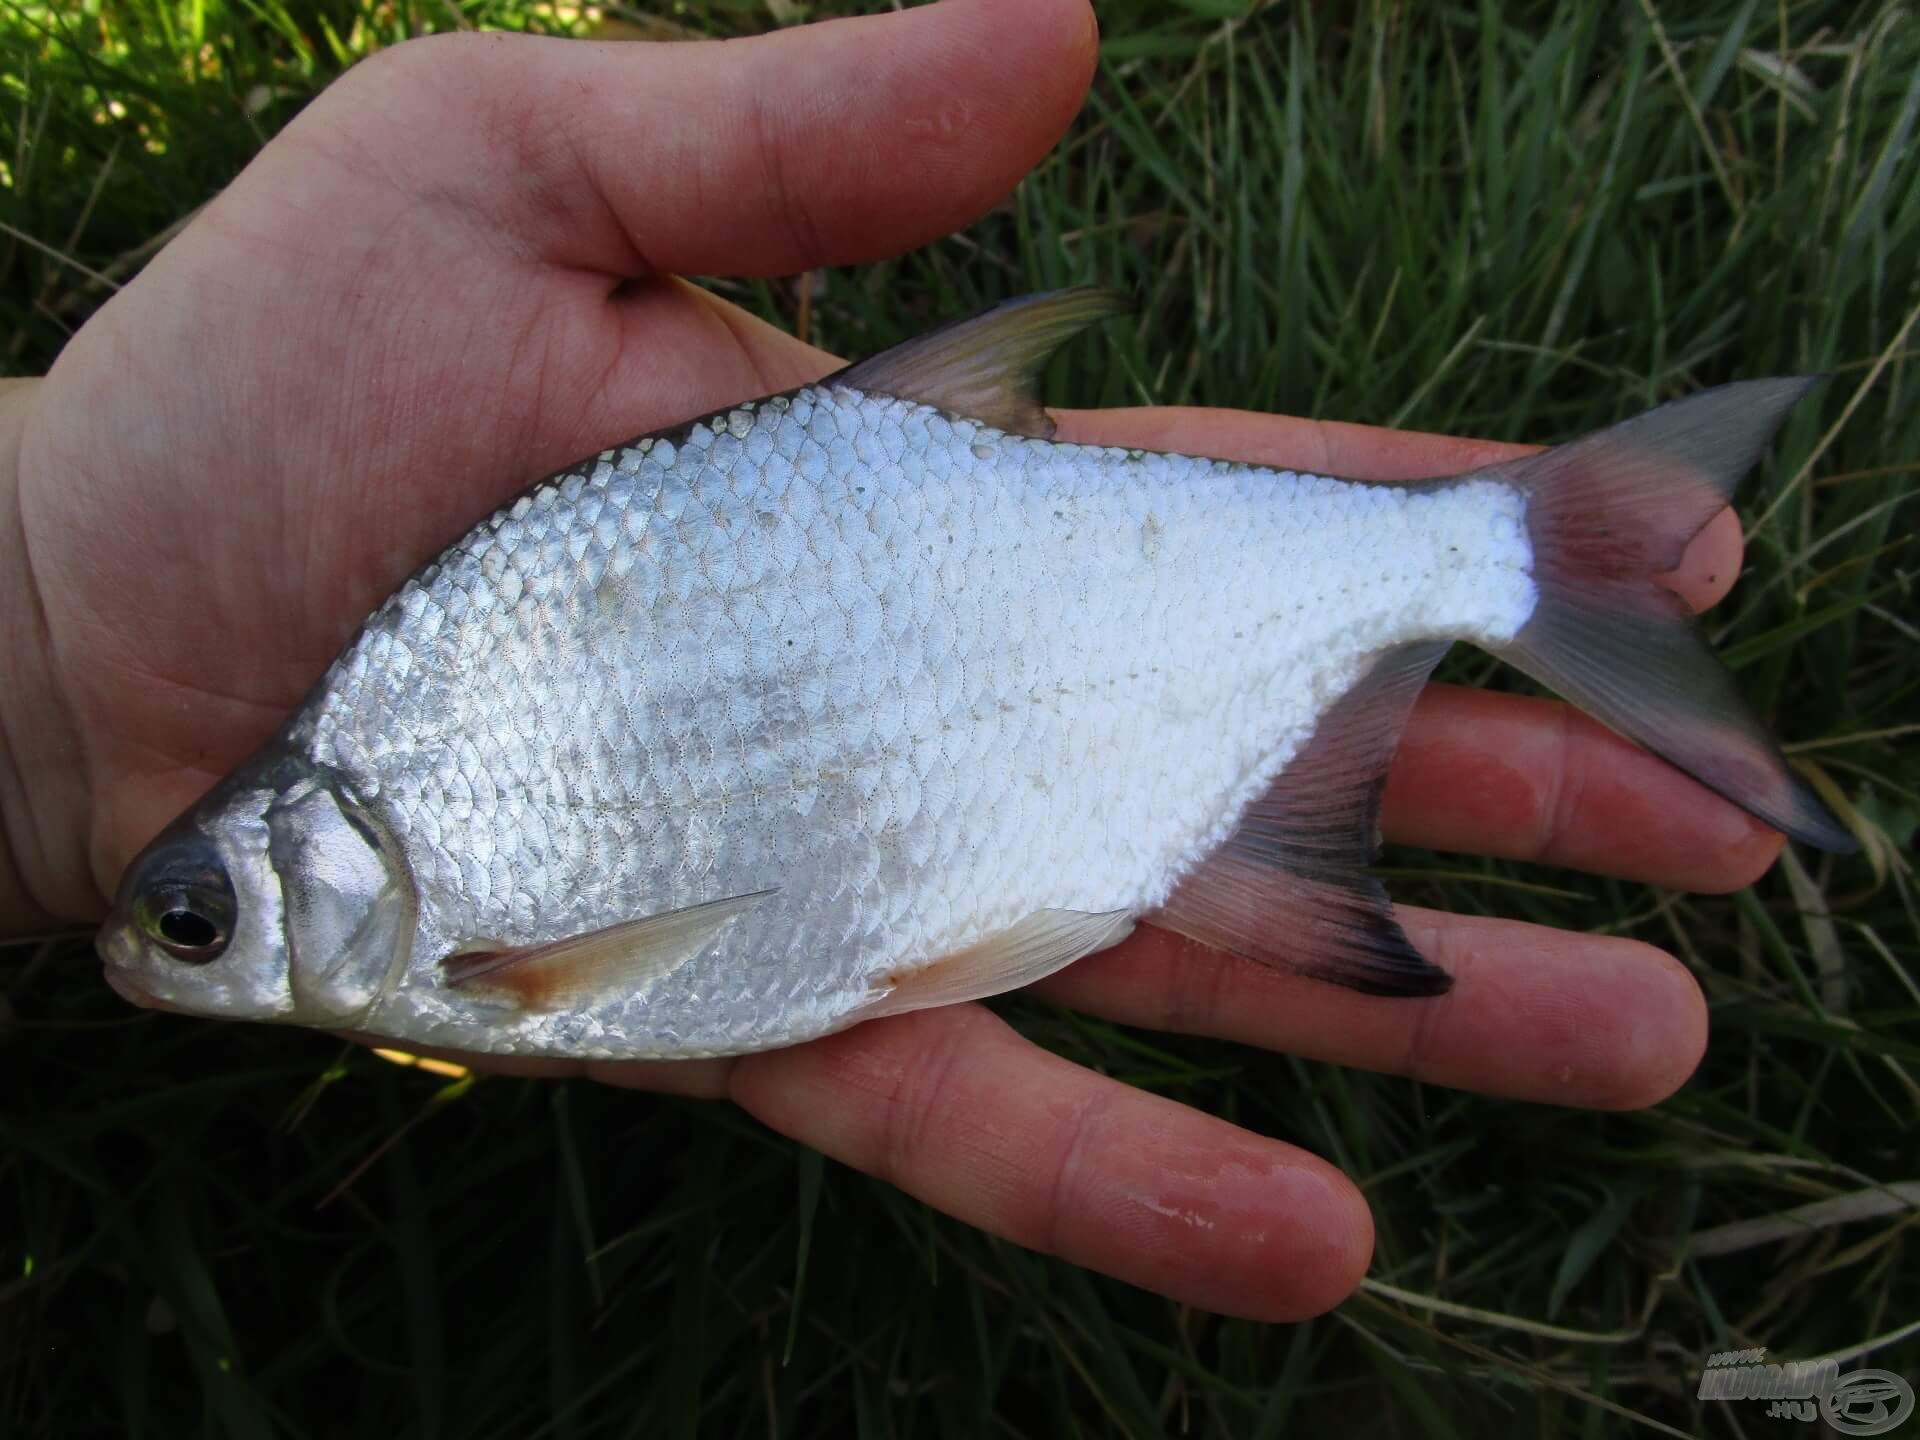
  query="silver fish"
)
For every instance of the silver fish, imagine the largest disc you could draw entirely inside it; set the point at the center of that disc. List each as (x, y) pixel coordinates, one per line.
(871, 696)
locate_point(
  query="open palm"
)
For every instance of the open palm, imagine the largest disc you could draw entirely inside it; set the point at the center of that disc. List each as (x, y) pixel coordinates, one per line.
(452, 275)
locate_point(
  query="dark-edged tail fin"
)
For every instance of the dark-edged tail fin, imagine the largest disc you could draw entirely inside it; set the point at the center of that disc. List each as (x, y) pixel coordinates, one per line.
(1610, 513)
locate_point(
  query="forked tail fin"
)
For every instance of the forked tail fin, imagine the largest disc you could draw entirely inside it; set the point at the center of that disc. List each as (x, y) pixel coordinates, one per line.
(1607, 516)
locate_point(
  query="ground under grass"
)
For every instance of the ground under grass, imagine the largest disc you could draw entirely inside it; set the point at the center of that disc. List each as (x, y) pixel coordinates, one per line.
(1518, 222)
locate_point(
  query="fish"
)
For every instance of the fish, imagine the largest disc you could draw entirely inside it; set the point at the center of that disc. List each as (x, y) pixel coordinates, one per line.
(872, 695)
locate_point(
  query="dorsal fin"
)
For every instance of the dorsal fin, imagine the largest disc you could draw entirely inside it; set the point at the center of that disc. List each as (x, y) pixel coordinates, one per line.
(1288, 887)
(987, 367)
(622, 958)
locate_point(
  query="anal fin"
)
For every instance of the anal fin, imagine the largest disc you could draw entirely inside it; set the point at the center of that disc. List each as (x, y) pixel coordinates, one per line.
(1288, 887)
(1029, 950)
(621, 959)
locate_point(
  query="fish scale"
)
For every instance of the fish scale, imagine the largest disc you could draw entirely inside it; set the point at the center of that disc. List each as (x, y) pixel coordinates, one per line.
(1093, 623)
(872, 697)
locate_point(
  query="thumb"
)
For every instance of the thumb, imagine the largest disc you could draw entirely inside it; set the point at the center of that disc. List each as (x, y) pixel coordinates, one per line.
(832, 143)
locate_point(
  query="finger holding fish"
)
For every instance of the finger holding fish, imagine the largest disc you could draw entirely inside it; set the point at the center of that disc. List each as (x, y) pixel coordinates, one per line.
(1534, 1013)
(954, 1107)
(1521, 778)
(957, 1109)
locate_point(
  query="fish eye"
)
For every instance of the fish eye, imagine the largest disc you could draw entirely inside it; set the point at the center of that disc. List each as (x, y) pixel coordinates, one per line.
(190, 922)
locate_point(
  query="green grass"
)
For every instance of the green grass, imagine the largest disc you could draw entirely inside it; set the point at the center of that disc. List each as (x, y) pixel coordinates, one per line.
(1519, 222)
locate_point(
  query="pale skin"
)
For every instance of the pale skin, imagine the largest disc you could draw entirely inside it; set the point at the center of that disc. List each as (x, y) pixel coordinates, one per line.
(451, 275)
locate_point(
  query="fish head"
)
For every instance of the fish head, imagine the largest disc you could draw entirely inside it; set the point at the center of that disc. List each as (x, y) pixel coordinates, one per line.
(278, 897)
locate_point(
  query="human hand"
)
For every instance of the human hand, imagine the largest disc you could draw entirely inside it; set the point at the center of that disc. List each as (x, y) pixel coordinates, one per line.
(450, 276)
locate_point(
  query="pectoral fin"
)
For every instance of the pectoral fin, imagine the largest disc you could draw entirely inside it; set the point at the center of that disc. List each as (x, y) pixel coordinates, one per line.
(1046, 941)
(619, 959)
(1288, 888)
